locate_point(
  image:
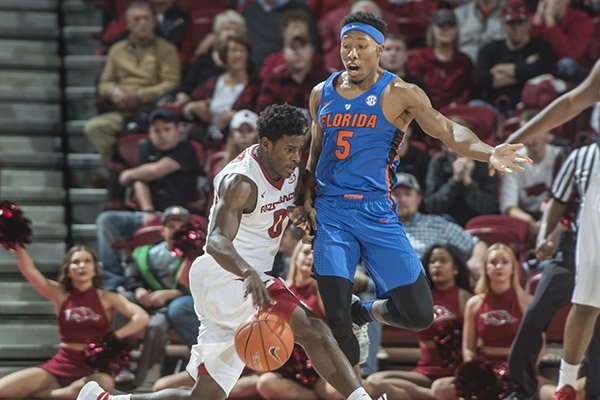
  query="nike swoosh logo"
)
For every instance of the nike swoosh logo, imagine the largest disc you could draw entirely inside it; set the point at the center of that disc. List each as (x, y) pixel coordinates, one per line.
(273, 352)
(325, 104)
(384, 221)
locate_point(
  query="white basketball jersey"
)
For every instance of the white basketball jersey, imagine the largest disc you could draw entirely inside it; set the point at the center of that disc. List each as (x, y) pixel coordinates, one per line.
(260, 232)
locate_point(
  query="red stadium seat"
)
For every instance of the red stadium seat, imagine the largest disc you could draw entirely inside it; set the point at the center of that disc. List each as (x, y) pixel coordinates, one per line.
(519, 227)
(555, 330)
(482, 119)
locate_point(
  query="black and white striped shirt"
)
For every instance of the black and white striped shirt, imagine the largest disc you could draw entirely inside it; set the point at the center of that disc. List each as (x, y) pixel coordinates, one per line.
(575, 174)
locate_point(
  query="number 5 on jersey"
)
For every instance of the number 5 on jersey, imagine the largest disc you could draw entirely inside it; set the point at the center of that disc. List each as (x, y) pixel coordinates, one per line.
(342, 144)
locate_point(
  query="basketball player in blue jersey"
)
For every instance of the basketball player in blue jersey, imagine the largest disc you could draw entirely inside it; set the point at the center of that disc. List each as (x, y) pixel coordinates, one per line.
(350, 173)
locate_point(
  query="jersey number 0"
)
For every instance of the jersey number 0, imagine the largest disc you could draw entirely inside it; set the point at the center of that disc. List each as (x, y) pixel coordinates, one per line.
(277, 227)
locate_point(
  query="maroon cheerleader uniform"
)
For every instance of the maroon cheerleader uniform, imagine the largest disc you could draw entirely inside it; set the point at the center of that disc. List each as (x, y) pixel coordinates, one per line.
(498, 320)
(446, 308)
(81, 317)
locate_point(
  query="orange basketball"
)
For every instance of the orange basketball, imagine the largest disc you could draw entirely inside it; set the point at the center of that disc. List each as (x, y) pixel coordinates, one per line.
(265, 342)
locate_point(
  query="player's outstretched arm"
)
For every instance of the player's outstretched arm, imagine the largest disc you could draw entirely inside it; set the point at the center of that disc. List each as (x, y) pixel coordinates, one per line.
(236, 195)
(563, 108)
(457, 137)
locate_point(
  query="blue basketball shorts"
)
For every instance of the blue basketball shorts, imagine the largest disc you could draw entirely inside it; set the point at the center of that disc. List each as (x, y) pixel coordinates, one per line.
(353, 228)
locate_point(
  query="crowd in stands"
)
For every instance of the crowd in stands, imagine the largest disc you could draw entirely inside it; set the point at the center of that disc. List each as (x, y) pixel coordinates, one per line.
(186, 80)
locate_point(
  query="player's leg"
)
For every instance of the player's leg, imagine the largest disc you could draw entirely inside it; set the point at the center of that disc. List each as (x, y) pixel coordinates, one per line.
(336, 254)
(70, 391)
(273, 386)
(205, 388)
(582, 318)
(313, 334)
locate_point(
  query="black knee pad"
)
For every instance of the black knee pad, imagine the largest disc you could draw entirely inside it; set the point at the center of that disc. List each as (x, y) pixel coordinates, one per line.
(342, 332)
(414, 318)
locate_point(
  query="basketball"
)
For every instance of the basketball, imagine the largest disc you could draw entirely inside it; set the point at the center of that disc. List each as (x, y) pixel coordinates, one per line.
(265, 342)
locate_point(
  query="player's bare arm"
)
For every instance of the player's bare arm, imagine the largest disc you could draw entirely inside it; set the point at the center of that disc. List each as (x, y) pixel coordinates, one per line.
(403, 102)
(236, 195)
(316, 145)
(563, 109)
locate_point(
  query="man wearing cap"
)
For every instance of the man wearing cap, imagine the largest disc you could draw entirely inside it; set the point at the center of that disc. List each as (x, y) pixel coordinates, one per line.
(423, 230)
(358, 118)
(154, 281)
(291, 82)
(504, 66)
(166, 175)
(137, 72)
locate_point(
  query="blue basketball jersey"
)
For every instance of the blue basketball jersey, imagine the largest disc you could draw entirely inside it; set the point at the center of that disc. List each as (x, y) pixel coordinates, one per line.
(359, 153)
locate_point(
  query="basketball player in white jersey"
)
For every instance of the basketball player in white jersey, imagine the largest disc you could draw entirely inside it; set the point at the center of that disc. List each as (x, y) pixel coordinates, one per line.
(229, 282)
(586, 296)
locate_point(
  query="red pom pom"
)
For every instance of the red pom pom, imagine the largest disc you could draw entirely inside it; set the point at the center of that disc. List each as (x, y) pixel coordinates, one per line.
(476, 379)
(108, 354)
(189, 241)
(448, 342)
(14, 226)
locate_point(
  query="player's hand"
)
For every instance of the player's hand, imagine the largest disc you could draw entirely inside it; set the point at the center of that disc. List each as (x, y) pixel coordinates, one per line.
(255, 287)
(505, 158)
(299, 217)
(545, 249)
(311, 213)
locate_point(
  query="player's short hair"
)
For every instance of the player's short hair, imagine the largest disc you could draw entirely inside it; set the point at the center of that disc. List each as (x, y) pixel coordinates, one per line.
(280, 120)
(367, 18)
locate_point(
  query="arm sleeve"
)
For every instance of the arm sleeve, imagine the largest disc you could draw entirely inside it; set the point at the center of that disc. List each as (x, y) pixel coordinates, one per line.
(108, 79)
(185, 156)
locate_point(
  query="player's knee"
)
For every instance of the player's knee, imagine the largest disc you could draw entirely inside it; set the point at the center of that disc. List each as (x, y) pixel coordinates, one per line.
(341, 329)
(414, 318)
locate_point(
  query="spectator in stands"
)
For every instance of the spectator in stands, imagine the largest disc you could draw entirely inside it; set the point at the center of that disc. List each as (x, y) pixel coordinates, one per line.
(395, 57)
(84, 311)
(166, 176)
(492, 316)
(423, 231)
(555, 288)
(522, 195)
(137, 72)
(294, 23)
(459, 187)
(479, 23)
(446, 71)
(172, 23)
(568, 31)
(153, 281)
(450, 290)
(503, 66)
(208, 63)
(262, 18)
(329, 30)
(242, 133)
(293, 81)
(216, 100)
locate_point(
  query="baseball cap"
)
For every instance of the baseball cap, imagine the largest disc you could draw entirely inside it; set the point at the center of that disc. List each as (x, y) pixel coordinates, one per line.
(243, 117)
(443, 16)
(161, 113)
(175, 212)
(515, 10)
(407, 180)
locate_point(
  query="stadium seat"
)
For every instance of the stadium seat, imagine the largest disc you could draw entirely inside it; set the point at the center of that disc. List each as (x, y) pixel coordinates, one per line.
(482, 119)
(518, 226)
(555, 330)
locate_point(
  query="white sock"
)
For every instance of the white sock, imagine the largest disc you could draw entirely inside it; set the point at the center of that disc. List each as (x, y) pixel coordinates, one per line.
(359, 394)
(567, 374)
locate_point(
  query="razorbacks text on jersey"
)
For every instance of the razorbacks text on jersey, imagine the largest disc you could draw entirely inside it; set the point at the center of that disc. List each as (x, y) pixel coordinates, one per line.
(359, 153)
(260, 231)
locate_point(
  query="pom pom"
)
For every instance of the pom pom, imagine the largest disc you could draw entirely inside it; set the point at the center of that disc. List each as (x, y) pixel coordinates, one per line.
(14, 226)
(108, 354)
(448, 342)
(476, 379)
(189, 241)
(299, 368)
